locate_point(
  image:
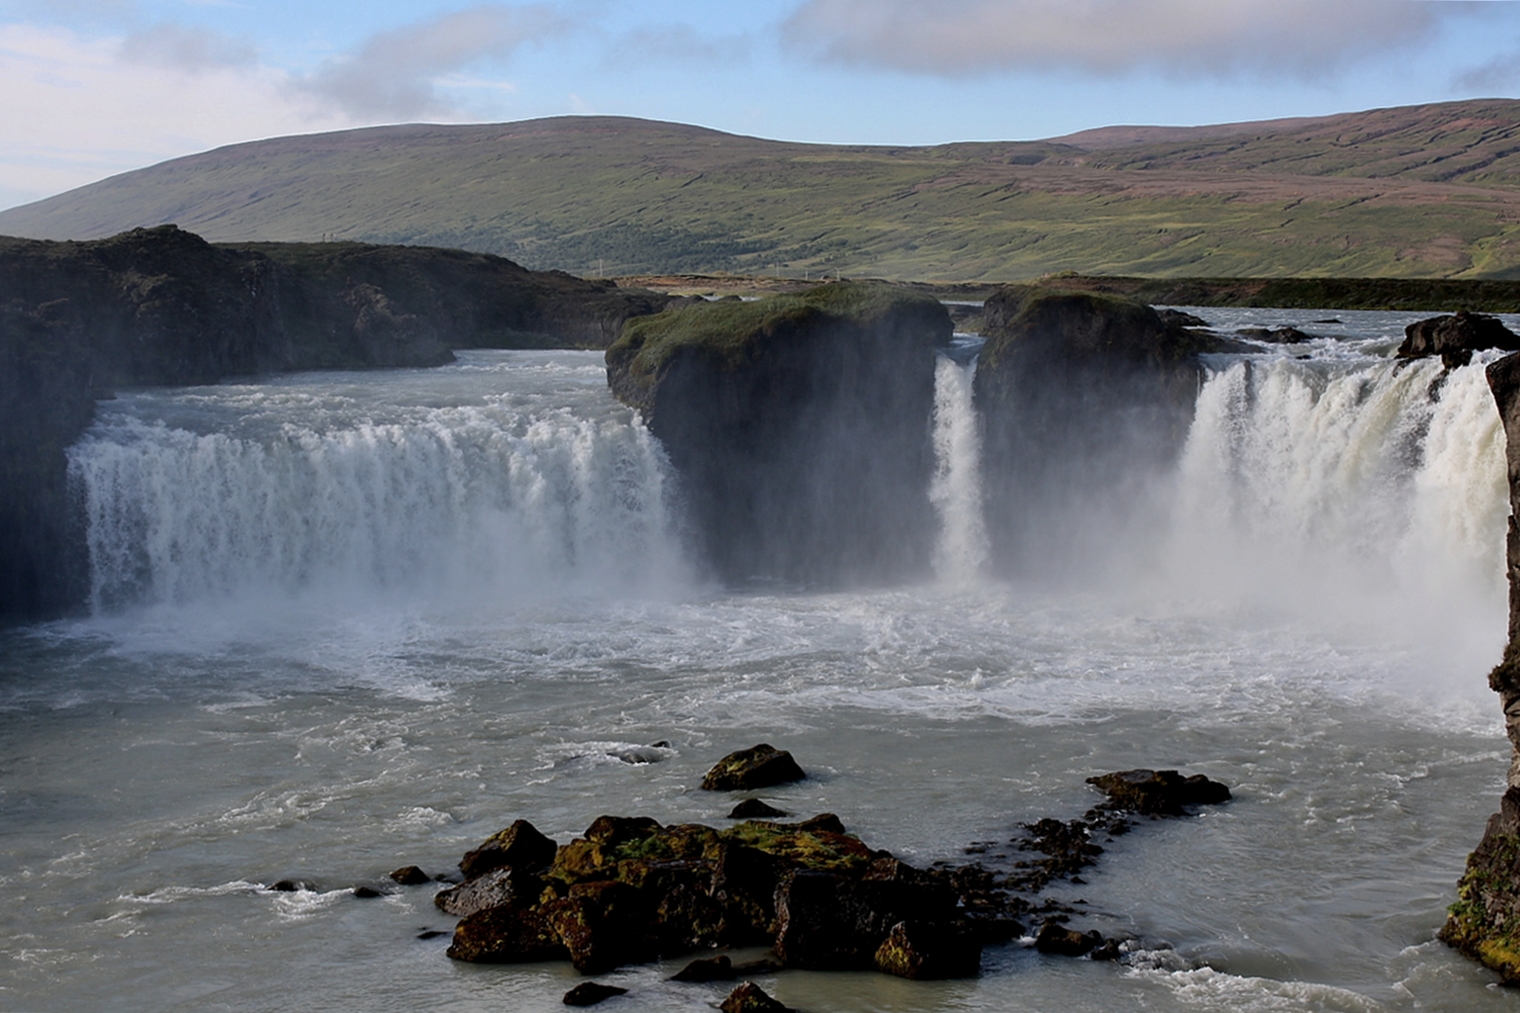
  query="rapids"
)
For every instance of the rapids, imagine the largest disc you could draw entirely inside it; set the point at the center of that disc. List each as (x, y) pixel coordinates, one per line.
(342, 623)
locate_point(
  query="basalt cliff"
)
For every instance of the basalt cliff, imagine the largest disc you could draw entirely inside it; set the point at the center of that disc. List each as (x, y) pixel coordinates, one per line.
(799, 426)
(162, 306)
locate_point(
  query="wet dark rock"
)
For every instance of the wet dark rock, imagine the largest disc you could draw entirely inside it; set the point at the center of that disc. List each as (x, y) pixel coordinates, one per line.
(367, 892)
(1328, 320)
(754, 809)
(431, 934)
(1082, 400)
(507, 935)
(504, 885)
(1276, 335)
(800, 428)
(924, 951)
(520, 846)
(411, 875)
(1055, 938)
(1180, 319)
(604, 925)
(759, 766)
(751, 998)
(1455, 337)
(590, 993)
(823, 822)
(291, 885)
(1109, 949)
(719, 968)
(828, 921)
(1158, 792)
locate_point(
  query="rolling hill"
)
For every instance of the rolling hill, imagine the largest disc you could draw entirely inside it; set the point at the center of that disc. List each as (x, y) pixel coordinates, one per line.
(1420, 191)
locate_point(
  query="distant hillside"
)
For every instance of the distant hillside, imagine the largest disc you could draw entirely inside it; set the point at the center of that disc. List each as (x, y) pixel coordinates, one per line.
(1422, 191)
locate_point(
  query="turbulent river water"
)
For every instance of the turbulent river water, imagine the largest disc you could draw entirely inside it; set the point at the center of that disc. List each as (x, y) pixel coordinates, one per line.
(342, 623)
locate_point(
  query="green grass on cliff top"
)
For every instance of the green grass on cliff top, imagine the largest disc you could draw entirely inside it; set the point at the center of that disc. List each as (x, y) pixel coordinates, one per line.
(735, 331)
(1424, 191)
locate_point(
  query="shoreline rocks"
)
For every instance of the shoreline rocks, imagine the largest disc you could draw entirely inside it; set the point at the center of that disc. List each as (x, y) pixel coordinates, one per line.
(1455, 337)
(759, 766)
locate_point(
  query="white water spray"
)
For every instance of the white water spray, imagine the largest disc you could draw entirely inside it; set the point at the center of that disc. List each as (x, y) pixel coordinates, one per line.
(956, 490)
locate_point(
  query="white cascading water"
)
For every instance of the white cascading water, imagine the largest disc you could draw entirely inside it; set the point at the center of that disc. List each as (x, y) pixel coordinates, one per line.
(1371, 487)
(956, 490)
(454, 499)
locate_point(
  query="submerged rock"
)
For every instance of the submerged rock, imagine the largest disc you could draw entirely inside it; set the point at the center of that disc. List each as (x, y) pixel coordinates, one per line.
(411, 875)
(754, 809)
(1158, 792)
(1277, 335)
(719, 968)
(1057, 939)
(751, 998)
(760, 766)
(1454, 337)
(800, 427)
(590, 993)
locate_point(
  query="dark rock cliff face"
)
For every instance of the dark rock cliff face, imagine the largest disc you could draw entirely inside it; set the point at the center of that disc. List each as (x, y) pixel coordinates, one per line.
(800, 427)
(1485, 922)
(161, 306)
(1084, 400)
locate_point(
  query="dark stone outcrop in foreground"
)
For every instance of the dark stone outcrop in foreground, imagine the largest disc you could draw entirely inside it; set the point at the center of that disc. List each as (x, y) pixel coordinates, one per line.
(1484, 923)
(631, 891)
(751, 998)
(799, 425)
(161, 306)
(1084, 400)
(1455, 337)
(760, 766)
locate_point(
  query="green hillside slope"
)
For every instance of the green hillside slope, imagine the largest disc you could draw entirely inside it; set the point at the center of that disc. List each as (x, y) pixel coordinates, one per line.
(1342, 196)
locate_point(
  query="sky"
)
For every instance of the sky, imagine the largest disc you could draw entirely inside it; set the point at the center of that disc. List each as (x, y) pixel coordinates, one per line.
(91, 88)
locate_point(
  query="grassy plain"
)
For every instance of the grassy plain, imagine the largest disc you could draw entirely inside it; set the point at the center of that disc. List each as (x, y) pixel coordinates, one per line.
(1424, 191)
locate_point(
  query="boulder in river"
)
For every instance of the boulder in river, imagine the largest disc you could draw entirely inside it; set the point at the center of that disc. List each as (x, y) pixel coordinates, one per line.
(759, 766)
(1454, 337)
(1158, 792)
(751, 998)
(590, 993)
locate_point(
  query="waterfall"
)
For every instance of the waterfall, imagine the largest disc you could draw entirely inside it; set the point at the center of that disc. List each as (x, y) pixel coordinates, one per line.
(1329, 485)
(458, 499)
(956, 490)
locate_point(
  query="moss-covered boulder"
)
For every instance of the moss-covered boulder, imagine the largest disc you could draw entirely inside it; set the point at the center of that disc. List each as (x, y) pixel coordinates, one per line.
(1484, 923)
(1084, 401)
(799, 426)
(760, 766)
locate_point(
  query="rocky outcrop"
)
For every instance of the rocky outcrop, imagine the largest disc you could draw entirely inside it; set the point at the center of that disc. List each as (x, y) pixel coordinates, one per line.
(630, 890)
(799, 426)
(162, 306)
(1455, 337)
(758, 766)
(1083, 400)
(1485, 922)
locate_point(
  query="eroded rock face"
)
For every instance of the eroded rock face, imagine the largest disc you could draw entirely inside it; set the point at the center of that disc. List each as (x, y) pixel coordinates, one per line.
(1454, 337)
(1483, 924)
(1084, 401)
(799, 426)
(161, 306)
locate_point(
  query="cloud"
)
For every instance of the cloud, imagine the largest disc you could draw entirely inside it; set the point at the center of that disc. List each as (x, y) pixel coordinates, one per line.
(88, 113)
(395, 73)
(1112, 37)
(1492, 78)
(678, 44)
(192, 50)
